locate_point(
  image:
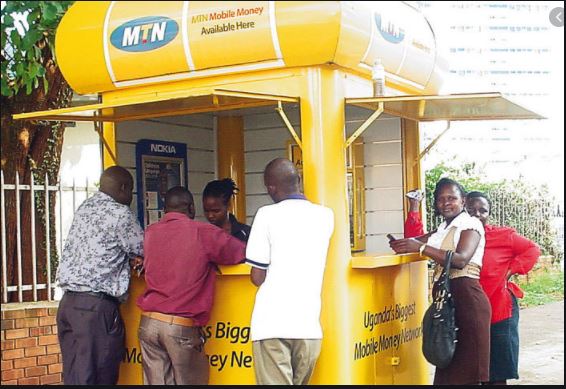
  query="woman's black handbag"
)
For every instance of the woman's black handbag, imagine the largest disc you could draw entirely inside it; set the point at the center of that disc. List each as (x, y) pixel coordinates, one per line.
(439, 323)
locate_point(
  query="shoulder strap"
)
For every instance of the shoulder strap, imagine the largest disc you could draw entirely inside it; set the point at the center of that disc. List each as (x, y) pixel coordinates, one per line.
(448, 242)
(446, 271)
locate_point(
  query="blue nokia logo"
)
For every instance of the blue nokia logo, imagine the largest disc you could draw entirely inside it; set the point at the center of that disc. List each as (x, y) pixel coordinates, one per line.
(389, 31)
(144, 34)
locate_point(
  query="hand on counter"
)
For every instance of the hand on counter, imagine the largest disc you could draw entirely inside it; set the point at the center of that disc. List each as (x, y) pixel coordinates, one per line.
(136, 264)
(402, 246)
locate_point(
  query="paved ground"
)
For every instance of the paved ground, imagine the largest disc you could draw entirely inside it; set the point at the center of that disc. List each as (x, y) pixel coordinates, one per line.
(541, 355)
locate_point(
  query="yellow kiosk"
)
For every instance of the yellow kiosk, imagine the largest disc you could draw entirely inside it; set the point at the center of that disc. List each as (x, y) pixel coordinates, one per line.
(241, 83)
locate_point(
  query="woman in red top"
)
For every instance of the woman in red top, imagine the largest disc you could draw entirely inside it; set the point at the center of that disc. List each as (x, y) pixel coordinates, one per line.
(506, 253)
(413, 224)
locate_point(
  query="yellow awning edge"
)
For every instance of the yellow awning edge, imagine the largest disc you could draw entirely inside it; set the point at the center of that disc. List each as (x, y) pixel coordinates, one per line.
(160, 104)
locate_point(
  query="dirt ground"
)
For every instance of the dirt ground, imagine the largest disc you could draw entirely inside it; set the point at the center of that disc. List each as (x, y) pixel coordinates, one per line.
(541, 353)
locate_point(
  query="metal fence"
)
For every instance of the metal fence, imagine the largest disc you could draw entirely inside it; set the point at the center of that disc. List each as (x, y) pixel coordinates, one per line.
(538, 219)
(46, 192)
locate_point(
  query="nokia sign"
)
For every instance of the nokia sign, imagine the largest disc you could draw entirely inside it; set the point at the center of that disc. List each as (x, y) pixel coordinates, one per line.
(144, 34)
(160, 148)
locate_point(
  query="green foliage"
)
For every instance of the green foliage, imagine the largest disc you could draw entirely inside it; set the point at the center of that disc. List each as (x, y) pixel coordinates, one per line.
(541, 288)
(526, 208)
(27, 27)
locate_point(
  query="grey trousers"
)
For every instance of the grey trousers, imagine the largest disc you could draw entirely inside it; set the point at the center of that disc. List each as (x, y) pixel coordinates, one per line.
(285, 361)
(172, 354)
(91, 335)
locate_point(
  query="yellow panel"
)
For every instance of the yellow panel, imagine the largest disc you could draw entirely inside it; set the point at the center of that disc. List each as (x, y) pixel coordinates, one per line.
(357, 195)
(355, 34)
(217, 32)
(228, 344)
(131, 368)
(324, 170)
(141, 43)
(109, 157)
(411, 162)
(477, 106)
(386, 313)
(308, 31)
(125, 46)
(79, 48)
(364, 297)
(412, 289)
(231, 161)
(368, 261)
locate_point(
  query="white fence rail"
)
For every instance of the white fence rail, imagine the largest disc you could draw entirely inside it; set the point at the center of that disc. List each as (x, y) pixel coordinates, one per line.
(62, 194)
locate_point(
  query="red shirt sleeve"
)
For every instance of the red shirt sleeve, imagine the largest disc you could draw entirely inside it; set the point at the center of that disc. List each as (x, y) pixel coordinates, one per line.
(222, 248)
(525, 252)
(413, 225)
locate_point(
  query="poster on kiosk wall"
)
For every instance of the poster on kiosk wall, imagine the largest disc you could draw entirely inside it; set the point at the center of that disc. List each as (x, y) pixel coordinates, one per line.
(160, 165)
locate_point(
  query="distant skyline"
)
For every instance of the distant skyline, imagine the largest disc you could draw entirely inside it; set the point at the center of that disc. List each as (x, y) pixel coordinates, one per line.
(509, 47)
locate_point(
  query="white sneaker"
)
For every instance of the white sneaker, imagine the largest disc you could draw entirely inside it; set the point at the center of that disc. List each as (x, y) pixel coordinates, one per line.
(416, 194)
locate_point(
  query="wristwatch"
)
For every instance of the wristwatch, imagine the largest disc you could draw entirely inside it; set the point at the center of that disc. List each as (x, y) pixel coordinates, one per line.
(421, 249)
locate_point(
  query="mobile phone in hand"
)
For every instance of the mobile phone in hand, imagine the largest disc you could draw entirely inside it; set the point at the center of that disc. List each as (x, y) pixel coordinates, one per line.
(391, 237)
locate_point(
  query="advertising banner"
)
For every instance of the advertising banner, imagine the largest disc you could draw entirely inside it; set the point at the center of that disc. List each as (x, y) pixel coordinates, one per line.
(160, 166)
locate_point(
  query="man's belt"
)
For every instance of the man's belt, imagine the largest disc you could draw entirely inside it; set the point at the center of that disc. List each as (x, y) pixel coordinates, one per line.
(100, 295)
(170, 319)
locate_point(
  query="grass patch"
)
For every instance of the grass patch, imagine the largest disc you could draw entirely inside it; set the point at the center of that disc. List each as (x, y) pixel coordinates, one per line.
(542, 287)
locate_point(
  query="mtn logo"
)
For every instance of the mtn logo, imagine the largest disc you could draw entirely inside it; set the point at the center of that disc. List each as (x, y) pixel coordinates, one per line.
(144, 34)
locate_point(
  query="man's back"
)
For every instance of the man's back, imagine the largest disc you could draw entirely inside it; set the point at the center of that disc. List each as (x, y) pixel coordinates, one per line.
(180, 254)
(102, 236)
(290, 239)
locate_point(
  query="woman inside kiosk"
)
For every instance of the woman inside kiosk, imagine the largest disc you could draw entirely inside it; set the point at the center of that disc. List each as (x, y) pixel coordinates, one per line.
(215, 203)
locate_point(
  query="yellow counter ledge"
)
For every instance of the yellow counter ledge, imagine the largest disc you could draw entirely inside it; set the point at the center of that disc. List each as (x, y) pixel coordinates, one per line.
(235, 270)
(374, 261)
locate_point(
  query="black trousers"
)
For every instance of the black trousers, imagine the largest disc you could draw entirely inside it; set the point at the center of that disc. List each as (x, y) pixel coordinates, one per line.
(91, 335)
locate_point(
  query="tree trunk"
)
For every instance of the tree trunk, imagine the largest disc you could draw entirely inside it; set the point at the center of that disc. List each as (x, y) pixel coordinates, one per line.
(31, 147)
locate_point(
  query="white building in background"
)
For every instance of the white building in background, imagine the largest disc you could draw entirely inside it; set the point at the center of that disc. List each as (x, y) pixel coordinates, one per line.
(508, 47)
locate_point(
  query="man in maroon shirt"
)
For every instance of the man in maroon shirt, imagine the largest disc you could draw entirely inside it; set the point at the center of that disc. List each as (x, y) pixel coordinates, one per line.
(180, 261)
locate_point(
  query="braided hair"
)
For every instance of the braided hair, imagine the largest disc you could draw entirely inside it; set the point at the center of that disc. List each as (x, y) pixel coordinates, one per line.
(224, 189)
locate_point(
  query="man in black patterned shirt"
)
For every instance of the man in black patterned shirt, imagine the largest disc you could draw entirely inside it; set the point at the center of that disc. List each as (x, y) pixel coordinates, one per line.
(94, 272)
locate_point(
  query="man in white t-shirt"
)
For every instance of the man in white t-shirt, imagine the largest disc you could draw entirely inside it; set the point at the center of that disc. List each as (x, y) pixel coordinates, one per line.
(287, 251)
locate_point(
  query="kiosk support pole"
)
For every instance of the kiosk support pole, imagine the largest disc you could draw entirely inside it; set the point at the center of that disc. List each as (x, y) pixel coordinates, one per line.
(230, 146)
(108, 135)
(324, 171)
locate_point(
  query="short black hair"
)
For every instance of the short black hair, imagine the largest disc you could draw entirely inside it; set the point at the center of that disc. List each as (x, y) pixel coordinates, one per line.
(477, 195)
(178, 198)
(445, 182)
(224, 189)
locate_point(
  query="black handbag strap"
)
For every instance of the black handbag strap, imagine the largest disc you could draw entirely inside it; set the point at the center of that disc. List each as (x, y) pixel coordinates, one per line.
(446, 271)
